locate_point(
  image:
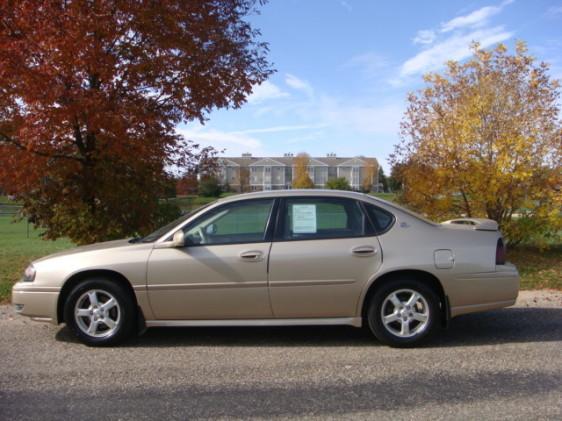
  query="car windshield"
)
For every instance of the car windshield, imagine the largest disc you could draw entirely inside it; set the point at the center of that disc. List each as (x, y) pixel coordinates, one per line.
(163, 230)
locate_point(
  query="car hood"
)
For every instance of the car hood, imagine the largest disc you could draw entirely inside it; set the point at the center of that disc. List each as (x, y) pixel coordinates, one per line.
(106, 245)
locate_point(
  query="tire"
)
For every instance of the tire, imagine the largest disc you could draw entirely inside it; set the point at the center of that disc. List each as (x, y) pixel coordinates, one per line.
(411, 313)
(100, 312)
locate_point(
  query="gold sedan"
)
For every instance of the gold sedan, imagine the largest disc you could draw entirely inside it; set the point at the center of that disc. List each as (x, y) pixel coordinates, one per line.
(292, 257)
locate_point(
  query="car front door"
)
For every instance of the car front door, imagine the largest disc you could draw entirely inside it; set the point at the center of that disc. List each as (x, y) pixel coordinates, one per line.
(324, 252)
(221, 272)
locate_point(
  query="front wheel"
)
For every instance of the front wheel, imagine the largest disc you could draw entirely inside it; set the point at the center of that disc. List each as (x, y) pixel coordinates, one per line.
(99, 312)
(403, 313)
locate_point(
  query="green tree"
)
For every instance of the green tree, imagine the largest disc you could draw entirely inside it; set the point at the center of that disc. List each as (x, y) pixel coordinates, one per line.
(383, 180)
(209, 187)
(339, 183)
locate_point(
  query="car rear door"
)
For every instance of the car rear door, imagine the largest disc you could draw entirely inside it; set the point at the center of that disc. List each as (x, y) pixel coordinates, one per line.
(324, 252)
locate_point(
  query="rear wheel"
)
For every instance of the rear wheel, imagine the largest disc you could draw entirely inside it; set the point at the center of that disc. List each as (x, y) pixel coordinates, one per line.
(403, 313)
(100, 312)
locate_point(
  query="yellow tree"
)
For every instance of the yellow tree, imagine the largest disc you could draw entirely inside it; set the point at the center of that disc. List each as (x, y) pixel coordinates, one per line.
(484, 139)
(370, 174)
(301, 179)
(244, 178)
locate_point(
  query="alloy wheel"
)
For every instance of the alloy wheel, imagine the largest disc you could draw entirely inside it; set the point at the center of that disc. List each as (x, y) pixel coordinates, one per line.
(405, 313)
(97, 313)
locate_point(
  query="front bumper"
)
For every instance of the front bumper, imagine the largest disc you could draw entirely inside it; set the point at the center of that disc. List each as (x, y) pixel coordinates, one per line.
(39, 303)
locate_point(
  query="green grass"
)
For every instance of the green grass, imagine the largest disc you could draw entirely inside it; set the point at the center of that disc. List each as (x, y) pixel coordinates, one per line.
(16, 251)
(538, 268)
(4, 200)
(386, 196)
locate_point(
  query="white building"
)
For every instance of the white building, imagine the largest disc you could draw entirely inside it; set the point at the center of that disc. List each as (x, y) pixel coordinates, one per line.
(248, 173)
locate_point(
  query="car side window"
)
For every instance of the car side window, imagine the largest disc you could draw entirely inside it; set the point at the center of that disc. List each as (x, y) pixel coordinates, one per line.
(238, 222)
(381, 219)
(307, 218)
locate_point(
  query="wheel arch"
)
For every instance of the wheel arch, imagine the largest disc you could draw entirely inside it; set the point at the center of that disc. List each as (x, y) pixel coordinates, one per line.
(428, 278)
(76, 278)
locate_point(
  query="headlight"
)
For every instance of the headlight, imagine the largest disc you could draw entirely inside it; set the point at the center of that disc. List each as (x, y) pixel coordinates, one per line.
(29, 274)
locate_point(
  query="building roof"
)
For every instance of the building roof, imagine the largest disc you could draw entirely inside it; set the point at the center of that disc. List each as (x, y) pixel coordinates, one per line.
(228, 162)
(331, 161)
(269, 162)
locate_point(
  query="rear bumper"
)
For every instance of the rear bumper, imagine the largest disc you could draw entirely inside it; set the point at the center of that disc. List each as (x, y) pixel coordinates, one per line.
(486, 291)
(39, 303)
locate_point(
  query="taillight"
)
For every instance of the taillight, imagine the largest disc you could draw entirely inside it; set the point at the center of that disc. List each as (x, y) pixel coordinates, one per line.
(500, 252)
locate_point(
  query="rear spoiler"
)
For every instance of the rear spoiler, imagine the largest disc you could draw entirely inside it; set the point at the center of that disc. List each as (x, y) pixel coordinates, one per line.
(479, 224)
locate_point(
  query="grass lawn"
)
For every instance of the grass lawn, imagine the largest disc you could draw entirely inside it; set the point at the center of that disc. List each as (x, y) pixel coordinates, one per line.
(385, 196)
(538, 269)
(16, 251)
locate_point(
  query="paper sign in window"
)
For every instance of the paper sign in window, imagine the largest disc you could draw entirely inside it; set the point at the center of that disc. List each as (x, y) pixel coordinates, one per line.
(304, 219)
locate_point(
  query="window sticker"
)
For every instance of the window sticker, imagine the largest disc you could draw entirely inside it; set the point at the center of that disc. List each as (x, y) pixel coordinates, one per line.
(304, 219)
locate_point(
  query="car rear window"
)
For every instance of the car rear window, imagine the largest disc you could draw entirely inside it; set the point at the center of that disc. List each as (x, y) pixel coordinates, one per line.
(381, 219)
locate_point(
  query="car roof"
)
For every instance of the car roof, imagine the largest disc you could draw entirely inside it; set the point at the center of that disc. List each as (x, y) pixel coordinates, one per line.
(297, 192)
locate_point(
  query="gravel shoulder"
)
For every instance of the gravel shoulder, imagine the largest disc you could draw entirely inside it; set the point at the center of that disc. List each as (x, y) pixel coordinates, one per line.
(504, 364)
(540, 298)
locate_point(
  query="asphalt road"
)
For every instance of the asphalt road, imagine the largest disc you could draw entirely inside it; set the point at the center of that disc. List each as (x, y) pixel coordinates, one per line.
(503, 365)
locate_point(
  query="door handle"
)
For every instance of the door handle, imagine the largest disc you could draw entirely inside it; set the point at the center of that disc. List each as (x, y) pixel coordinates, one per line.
(252, 255)
(364, 251)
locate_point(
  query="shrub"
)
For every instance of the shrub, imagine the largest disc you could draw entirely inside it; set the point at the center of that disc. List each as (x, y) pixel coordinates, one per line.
(209, 187)
(339, 183)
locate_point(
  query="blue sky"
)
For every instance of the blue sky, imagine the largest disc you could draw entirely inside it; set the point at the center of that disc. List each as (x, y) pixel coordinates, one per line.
(344, 68)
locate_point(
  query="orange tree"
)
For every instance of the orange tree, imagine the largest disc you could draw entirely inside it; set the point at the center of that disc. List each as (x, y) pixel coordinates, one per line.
(484, 139)
(91, 92)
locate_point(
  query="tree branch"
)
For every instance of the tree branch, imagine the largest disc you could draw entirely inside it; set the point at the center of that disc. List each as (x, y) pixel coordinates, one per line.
(10, 140)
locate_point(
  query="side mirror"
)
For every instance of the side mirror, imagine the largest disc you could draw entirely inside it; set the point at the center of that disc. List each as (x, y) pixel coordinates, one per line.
(179, 239)
(211, 229)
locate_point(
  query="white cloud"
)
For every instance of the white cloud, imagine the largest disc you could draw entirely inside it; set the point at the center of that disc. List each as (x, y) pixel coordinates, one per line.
(452, 40)
(346, 5)
(298, 84)
(234, 143)
(266, 91)
(277, 129)
(475, 19)
(304, 138)
(370, 63)
(456, 47)
(240, 141)
(554, 11)
(357, 118)
(425, 36)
